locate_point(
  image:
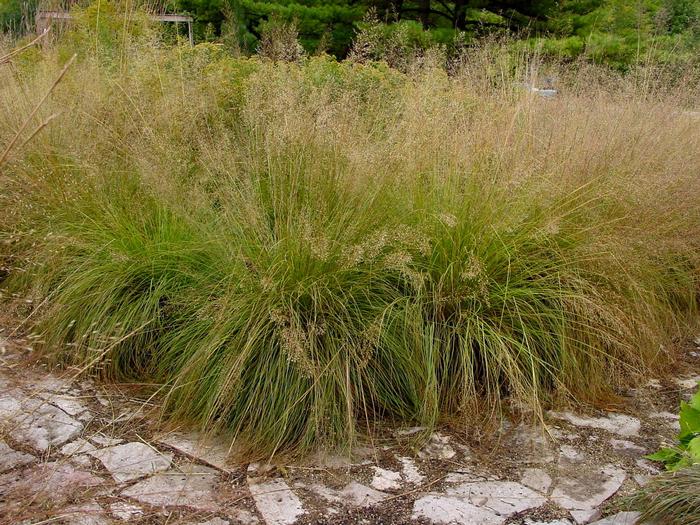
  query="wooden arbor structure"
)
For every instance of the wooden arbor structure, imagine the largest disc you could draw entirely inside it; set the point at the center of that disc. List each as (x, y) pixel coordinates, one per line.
(44, 19)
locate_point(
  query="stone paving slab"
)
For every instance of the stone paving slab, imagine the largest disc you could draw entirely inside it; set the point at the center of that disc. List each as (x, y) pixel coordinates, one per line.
(587, 488)
(621, 518)
(615, 423)
(276, 501)
(190, 486)
(537, 479)
(125, 511)
(52, 482)
(132, 460)
(353, 494)
(102, 470)
(10, 459)
(77, 447)
(37, 423)
(86, 514)
(504, 498)
(410, 471)
(71, 405)
(386, 479)
(212, 451)
(452, 510)
(585, 516)
(486, 503)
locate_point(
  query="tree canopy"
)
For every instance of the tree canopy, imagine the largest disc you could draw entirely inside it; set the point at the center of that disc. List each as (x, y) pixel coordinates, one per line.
(613, 31)
(617, 32)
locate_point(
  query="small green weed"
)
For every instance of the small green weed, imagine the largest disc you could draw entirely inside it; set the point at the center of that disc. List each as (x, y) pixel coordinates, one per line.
(687, 452)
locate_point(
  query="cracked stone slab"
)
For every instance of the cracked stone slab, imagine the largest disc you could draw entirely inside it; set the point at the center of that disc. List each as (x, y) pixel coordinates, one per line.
(504, 498)
(275, 501)
(10, 458)
(191, 486)
(410, 471)
(670, 419)
(570, 453)
(479, 503)
(87, 514)
(125, 511)
(213, 452)
(627, 448)
(79, 446)
(384, 479)
(37, 423)
(537, 479)
(354, 494)
(438, 447)
(534, 442)
(243, 517)
(614, 423)
(442, 509)
(688, 383)
(54, 481)
(621, 518)
(587, 488)
(69, 404)
(132, 460)
(105, 441)
(582, 517)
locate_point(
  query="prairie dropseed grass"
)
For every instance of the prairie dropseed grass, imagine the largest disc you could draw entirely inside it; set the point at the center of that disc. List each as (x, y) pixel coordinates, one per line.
(296, 250)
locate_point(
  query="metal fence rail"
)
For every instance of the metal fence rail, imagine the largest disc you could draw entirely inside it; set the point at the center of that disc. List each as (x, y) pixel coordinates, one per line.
(44, 19)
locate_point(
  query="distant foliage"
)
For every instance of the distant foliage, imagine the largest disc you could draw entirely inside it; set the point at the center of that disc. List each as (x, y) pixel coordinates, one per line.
(619, 33)
(615, 32)
(319, 23)
(280, 41)
(17, 16)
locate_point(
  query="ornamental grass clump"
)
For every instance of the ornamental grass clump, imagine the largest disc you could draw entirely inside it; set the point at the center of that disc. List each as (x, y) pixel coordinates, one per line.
(671, 498)
(296, 251)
